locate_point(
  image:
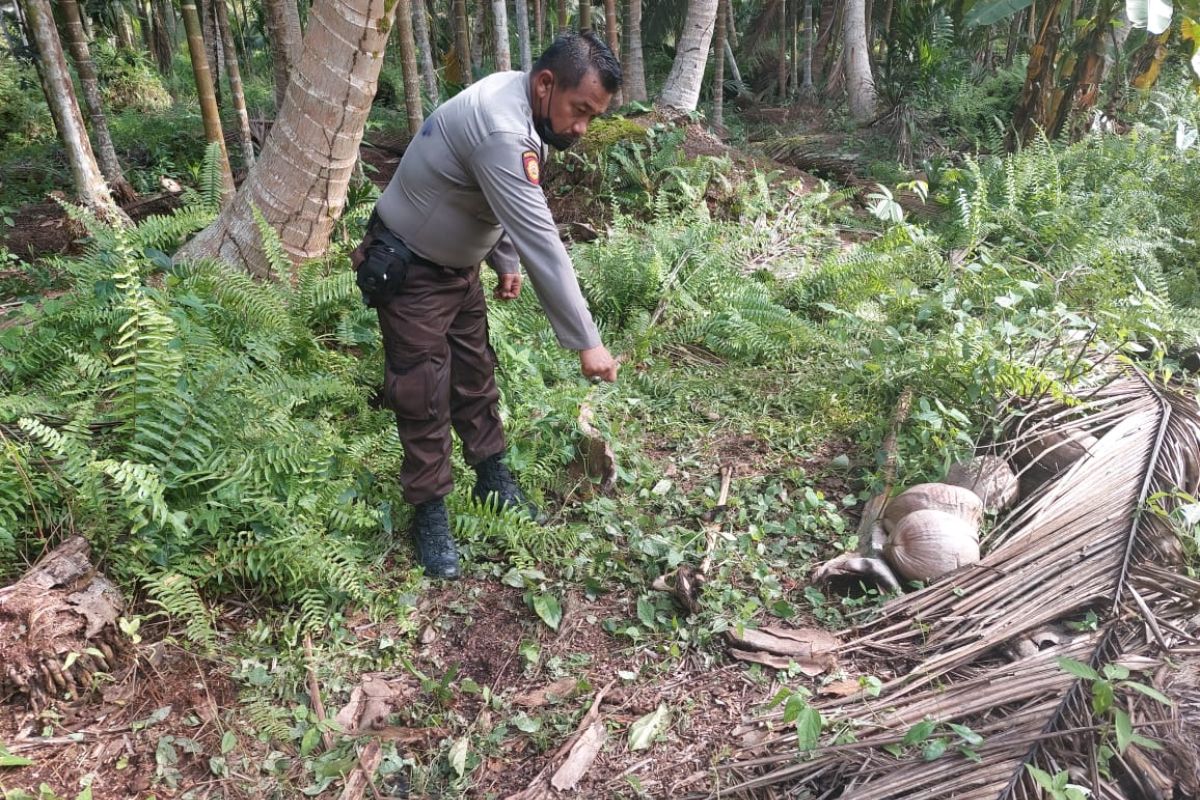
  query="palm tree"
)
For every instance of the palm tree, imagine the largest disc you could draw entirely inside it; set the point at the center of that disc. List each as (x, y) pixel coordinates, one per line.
(424, 49)
(860, 83)
(408, 63)
(635, 65)
(300, 180)
(105, 152)
(462, 45)
(681, 91)
(209, 112)
(90, 186)
(235, 82)
(283, 31)
(522, 10)
(500, 29)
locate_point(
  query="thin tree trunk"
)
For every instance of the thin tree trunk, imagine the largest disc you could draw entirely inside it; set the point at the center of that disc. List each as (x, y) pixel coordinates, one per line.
(408, 64)
(562, 15)
(810, 44)
(90, 186)
(585, 14)
(283, 30)
(635, 67)
(500, 31)
(682, 88)
(539, 22)
(235, 83)
(860, 84)
(462, 44)
(612, 30)
(479, 35)
(887, 17)
(1014, 36)
(521, 8)
(734, 73)
(719, 67)
(212, 43)
(143, 18)
(1083, 87)
(781, 68)
(1036, 101)
(204, 88)
(162, 37)
(827, 16)
(424, 49)
(793, 28)
(301, 179)
(106, 154)
(731, 29)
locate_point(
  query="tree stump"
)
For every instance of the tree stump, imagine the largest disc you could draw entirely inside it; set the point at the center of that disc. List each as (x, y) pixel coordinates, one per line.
(58, 626)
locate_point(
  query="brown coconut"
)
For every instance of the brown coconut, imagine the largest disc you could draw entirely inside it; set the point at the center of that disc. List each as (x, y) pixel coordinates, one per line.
(956, 500)
(990, 477)
(927, 544)
(1049, 456)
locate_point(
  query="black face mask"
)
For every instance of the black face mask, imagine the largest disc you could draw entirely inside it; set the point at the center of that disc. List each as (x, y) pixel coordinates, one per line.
(541, 124)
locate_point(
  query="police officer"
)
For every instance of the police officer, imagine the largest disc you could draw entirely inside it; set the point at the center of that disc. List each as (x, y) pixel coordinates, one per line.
(468, 189)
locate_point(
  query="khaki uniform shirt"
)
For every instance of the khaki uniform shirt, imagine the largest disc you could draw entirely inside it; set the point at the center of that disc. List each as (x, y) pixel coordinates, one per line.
(468, 189)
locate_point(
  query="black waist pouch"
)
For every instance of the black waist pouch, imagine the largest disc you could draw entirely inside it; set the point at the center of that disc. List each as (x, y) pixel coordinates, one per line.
(381, 263)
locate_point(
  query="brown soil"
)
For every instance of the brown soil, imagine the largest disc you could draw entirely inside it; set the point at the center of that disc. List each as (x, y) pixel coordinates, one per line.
(43, 229)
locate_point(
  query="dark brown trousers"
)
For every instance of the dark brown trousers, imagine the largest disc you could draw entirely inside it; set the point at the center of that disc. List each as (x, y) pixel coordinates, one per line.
(440, 372)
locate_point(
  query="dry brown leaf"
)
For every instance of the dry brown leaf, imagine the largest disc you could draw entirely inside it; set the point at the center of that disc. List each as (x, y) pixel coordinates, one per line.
(583, 753)
(559, 690)
(794, 642)
(596, 460)
(843, 688)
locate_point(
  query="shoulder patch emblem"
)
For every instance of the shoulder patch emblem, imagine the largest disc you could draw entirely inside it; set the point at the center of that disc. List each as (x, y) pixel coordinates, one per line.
(533, 169)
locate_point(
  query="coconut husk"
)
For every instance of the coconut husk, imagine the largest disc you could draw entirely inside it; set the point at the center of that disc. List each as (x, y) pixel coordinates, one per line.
(927, 544)
(955, 500)
(990, 477)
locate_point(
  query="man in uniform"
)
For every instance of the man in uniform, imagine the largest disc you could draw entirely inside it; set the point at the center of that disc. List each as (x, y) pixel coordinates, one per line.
(468, 189)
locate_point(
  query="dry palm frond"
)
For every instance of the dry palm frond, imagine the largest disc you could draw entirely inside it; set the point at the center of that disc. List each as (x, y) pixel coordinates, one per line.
(1094, 539)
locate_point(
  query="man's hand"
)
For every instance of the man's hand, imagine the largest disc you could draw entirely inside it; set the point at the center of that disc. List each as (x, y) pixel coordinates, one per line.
(508, 286)
(596, 362)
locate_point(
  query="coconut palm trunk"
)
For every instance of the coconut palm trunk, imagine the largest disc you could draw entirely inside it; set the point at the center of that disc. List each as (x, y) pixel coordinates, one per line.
(420, 19)
(500, 34)
(585, 14)
(808, 89)
(611, 33)
(212, 43)
(106, 154)
(681, 91)
(235, 83)
(209, 111)
(408, 63)
(521, 8)
(781, 66)
(90, 186)
(539, 22)
(718, 116)
(300, 180)
(860, 83)
(124, 27)
(635, 63)
(163, 41)
(283, 31)
(462, 43)
(562, 15)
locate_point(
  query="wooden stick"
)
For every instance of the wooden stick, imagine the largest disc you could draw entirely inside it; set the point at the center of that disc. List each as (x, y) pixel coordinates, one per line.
(314, 693)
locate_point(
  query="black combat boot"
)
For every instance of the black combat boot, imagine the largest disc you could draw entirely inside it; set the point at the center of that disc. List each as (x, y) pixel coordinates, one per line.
(496, 481)
(435, 545)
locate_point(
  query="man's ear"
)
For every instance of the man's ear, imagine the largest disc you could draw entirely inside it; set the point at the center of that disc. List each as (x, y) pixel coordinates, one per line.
(542, 82)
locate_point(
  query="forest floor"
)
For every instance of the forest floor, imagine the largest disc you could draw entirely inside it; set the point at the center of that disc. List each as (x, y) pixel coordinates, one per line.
(476, 694)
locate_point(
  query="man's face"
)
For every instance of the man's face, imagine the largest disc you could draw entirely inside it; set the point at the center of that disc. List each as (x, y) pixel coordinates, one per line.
(570, 110)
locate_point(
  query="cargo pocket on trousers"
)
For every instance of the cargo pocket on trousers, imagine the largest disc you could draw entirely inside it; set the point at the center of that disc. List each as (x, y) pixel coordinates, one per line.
(410, 389)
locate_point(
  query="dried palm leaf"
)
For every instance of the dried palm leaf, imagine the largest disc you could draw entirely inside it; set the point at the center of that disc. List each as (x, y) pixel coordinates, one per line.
(1087, 541)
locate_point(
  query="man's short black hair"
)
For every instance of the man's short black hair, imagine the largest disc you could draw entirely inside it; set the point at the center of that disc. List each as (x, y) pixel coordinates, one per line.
(571, 55)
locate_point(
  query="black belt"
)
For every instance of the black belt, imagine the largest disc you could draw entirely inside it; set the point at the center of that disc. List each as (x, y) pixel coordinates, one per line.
(376, 222)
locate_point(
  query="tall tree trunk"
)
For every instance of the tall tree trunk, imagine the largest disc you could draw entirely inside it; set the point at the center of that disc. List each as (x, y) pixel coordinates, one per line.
(106, 154)
(734, 73)
(300, 181)
(212, 43)
(635, 65)
(479, 36)
(209, 111)
(1083, 87)
(827, 13)
(781, 67)
(303, 174)
(408, 63)
(682, 88)
(143, 18)
(810, 42)
(235, 83)
(539, 22)
(500, 31)
(611, 34)
(90, 186)
(283, 30)
(163, 40)
(585, 14)
(562, 15)
(420, 20)
(719, 67)
(793, 29)
(1014, 37)
(860, 84)
(124, 27)
(521, 8)
(462, 43)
